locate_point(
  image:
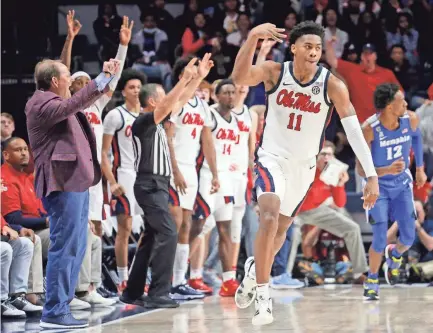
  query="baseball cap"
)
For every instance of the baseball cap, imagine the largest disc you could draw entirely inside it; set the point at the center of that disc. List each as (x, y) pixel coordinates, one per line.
(78, 74)
(368, 48)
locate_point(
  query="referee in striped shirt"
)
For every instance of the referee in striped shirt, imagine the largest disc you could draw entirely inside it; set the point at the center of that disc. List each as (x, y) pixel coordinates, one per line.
(159, 240)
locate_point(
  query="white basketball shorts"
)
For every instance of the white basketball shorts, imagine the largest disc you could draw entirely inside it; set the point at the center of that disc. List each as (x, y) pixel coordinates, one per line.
(186, 201)
(126, 204)
(290, 180)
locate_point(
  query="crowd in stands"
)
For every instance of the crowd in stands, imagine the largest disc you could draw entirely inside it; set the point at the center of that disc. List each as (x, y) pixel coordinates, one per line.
(366, 43)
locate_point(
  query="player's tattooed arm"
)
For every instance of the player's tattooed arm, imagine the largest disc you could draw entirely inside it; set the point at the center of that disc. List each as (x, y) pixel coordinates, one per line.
(74, 27)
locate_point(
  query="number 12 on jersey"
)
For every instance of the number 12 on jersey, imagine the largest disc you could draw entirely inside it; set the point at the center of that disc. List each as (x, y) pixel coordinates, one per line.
(295, 122)
(394, 152)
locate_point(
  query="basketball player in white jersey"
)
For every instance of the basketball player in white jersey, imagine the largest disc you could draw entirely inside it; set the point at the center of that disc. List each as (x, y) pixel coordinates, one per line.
(218, 207)
(300, 98)
(244, 155)
(190, 134)
(121, 174)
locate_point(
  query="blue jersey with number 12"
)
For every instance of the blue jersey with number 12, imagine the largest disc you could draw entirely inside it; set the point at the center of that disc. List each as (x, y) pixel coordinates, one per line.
(389, 146)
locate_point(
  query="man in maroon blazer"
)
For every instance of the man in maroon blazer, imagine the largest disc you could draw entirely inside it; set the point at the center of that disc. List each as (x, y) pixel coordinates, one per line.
(66, 166)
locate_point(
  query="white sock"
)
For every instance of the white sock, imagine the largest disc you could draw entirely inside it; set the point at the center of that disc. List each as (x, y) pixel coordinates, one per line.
(263, 291)
(180, 264)
(196, 273)
(230, 275)
(123, 273)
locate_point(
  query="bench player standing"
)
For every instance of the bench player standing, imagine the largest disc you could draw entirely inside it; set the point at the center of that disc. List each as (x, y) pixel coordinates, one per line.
(121, 175)
(300, 98)
(391, 133)
(190, 133)
(244, 155)
(218, 206)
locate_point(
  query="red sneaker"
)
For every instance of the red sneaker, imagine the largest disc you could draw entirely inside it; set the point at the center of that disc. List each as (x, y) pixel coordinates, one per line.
(228, 288)
(199, 285)
(122, 286)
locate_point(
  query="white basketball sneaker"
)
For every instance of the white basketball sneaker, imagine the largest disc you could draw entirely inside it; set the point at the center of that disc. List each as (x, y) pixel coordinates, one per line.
(263, 315)
(246, 292)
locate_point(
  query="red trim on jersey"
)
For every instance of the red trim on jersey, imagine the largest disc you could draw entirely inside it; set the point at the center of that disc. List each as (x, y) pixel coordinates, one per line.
(174, 196)
(203, 205)
(199, 160)
(327, 121)
(125, 204)
(116, 155)
(267, 178)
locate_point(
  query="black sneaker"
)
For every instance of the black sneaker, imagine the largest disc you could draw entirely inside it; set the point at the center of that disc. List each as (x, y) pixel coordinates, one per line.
(184, 292)
(124, 298)
(21, 303)
(8, 310)
(160, 302)
(104, 292)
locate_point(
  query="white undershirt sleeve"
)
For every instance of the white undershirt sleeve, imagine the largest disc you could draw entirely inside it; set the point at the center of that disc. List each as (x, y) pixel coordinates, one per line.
(359, 145)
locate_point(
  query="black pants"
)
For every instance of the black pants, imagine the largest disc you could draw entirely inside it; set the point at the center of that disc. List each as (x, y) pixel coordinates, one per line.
(158, 241)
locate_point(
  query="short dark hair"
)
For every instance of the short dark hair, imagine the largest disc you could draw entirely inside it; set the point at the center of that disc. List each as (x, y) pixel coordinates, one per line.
(400, 46)
(306, 28)
(45, 70)
(7, 142)
(131, 74)
(384, 95)
(221, 84)
(147, 91)
(178, 68)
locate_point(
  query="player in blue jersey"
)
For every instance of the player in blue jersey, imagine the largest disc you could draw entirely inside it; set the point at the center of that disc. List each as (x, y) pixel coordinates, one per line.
(391, 133)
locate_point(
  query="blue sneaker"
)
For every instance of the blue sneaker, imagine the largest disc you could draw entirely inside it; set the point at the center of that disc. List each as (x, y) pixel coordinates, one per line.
(371, 289)
(391, 267)
(184, 292)
(285, 281)
(66, 321)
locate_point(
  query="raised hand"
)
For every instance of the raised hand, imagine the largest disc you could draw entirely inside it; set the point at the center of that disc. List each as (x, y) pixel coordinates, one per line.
(269, 31)
(205, 65)
(74, 26)
(126, 31)
(190, 71)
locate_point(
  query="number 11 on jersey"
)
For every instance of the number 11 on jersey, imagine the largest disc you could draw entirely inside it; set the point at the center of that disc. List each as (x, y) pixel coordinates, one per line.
(295, 122)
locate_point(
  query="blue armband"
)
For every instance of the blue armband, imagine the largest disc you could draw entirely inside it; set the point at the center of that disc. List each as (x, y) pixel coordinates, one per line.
(417, 148)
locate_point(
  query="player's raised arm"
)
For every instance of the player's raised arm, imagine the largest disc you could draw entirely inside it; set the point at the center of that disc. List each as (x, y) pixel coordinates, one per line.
(74, 27)
(167, 105)
(244, 72)
(203, 69)
(339, 96)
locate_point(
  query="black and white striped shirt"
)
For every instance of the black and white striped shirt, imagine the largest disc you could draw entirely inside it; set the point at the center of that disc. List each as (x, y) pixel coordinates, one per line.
(150, 147)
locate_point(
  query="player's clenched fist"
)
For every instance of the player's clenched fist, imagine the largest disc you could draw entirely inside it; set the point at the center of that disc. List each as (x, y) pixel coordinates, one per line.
(111, 66)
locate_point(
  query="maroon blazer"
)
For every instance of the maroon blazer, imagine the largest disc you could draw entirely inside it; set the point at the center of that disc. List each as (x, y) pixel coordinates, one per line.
(62, 141)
